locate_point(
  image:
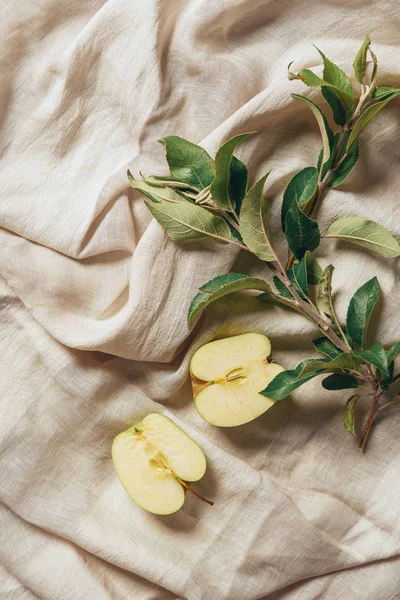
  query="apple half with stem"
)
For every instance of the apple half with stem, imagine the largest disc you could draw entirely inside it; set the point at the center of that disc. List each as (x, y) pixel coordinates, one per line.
(227, 376)
(154, 460)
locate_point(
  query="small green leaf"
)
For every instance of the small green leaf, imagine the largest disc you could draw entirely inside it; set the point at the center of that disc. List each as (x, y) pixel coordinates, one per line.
(281, 289)
(301, 189)
(314, 271)
(312, 80)
(325, 346)
(375, 355)
(338, 78)
(220, 187)
(336, 104)
(360, 310)
(349, 413)
(324, 292)
(345, 361)
(298, 277)
(302, 233)
(326, 131)
(189, 162)
(254, 222)
(366, 233)
(286, 382)
(394, 351)
(382, 91)
(157, 194)
(365, 117)
(338, 381)
(360, 62)
(221, 286)
(163, 181)
(345, 168)
(238, 182)
(187, 222)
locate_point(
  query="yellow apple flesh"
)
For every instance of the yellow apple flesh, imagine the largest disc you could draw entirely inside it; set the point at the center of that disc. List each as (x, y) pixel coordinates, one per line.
(154, 459)
(227, 376)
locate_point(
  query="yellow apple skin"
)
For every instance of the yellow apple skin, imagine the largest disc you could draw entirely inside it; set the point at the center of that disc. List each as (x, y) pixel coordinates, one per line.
(227, 376)
(139, 455)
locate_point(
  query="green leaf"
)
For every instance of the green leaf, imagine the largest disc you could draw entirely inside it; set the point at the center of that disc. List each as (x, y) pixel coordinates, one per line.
(324, 291)
(338, 78)
(360, 62)
(345, 168)
(360, 310)
(157, 194)
(163, 181)
(345, 361)
(238, 182)
(375, 355)
(302, 233)
(382, 91)
(325, 346)
(286, 382)
(253, 221)
(301, 189)
(312, 80)
(220, 187)
(281, 289)
(298, 277)
(365, 117)
(221, 286)
(189, 162)
(338, 381)
(336, 104)
(365, 233)
(349, 413)
(187, 222)
(326, 131)
(394, 351)
(314, 271)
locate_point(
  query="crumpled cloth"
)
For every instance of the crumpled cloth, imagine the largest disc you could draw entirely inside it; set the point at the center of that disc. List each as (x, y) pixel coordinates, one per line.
(94, 296)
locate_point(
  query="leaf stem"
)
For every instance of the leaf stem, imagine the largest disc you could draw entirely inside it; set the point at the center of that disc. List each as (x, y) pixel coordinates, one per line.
(395, 401)
(376, 397)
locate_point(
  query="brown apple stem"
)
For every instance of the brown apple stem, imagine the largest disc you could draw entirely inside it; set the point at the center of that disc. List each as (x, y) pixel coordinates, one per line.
(190, 489)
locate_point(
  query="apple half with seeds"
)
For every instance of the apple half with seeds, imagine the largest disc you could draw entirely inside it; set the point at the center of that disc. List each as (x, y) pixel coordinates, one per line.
(227, 376)
(154, 460)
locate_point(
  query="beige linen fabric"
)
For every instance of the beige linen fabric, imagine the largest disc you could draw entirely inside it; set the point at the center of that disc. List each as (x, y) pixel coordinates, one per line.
(94, 299)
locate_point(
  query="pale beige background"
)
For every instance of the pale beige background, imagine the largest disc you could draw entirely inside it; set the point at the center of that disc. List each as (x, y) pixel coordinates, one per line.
(94, 297)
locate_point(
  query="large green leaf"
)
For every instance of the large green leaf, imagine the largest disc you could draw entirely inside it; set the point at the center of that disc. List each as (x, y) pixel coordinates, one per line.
(375, 355)
(360, 310)
(360, 61)
(187, 222)
(220, 187)
(367, 233)
(394, 351)
(221, 286)
(337, 77)
(324, 291)
(302, 233)
(238, 182)
(345, 361)
(365, 117)
(286, 382)
(189, 162)
(155, 193)
(326, 131)
(345, 168)
(254, 221)
(339, 381)
(301, 189)
(349, 413)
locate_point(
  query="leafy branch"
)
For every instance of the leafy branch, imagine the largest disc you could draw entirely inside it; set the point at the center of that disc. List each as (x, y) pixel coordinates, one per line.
(206, 198)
